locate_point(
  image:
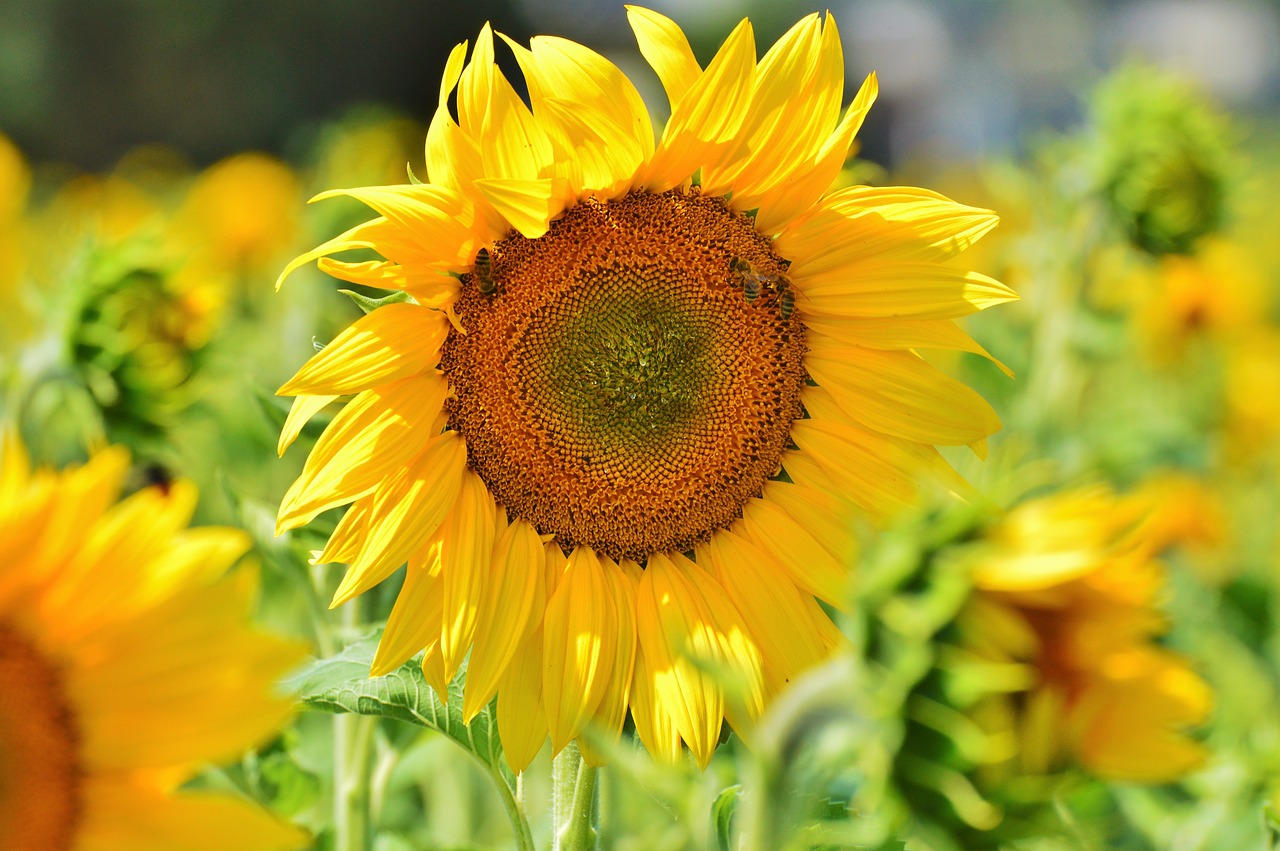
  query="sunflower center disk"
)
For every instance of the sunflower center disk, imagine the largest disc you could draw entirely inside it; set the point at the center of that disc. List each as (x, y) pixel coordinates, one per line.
(39, 773)
(616, 387)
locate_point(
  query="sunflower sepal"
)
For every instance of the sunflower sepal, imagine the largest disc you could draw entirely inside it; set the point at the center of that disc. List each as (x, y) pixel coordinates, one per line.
(369, 305)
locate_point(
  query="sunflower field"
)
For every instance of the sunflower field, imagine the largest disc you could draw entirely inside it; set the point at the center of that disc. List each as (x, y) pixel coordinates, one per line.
(685, 430)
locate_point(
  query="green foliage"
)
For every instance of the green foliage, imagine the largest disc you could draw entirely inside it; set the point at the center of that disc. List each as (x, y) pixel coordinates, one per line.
(342, 683)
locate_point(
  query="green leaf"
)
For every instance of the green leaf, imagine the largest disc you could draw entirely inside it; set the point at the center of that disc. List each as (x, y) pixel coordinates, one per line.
(369, 305)
(413, 178)
(726, 804)
(1271, 826)
(342, 684)
(294, 788)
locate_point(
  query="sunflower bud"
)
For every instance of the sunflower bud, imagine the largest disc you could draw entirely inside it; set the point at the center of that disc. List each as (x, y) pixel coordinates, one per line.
(1158, 155)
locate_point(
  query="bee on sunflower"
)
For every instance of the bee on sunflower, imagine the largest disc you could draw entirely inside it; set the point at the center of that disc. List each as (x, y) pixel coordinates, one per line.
(615, 469)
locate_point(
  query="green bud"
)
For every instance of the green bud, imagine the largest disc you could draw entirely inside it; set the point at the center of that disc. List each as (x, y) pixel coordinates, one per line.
(1159, 157)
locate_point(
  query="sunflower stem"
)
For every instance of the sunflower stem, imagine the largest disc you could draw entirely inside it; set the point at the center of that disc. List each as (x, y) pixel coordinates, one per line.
(353, 762)
(573, 810)
(514, 804)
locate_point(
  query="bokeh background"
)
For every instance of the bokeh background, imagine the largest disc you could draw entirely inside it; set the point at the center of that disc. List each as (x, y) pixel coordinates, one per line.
(83, 82)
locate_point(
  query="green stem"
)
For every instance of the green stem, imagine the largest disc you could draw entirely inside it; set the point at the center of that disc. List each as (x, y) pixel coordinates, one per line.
(514, 806)
(353, 761)
(353, 745)
(573, 810)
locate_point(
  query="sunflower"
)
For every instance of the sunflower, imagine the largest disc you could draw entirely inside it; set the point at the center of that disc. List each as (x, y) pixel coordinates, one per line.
(15, 182)
(1067, 588)
(124, 667)
(619, 425)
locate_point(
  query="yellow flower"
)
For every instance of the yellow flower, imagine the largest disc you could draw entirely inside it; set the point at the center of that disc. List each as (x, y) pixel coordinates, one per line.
(241, 213)
(1252, 406)
(124, 667)
(574, 433)
(15, 181)
(1183, 510)
(1217, 292)
(1067, 587)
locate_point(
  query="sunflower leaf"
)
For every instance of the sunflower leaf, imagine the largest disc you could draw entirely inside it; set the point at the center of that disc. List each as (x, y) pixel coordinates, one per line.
(342, 683)
(726, 804)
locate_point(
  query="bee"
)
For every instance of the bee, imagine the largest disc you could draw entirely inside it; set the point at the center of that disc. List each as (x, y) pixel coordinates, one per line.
(752, 281)
(755, 282)
(483, 273)
(787, 303)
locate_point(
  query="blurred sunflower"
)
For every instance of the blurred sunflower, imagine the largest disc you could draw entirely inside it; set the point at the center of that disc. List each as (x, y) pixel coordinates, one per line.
(1066, 589)
(1218, 293)
(615, 428)
(240, 214)
(124, 667)
(15, 182)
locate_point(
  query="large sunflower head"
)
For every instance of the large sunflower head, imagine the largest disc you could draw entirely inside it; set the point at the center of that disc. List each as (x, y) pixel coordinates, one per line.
(124, 667)
(637, 384)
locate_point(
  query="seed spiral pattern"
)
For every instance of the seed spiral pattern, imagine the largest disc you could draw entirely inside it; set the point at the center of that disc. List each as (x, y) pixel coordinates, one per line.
(615, 387)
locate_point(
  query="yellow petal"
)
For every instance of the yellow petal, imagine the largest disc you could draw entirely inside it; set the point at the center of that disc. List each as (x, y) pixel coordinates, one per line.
(663, 45)
(596, 118)
(899, 334)
(522, 722)
(580, 639)
(899, 223)
(363, 235)
(438, 222)
(451, 160)
(429, 287)
(136, 685)
(415, 619)
(613, 706)
(874, 472)
(466, 551)
(348, 536)
(806, 183)
(512, 141)
(900, 395)
(898, 289)
(300, 413)
(696, 647)
(654, 723)
(789, 545)
(674, 625)
(391, 343)
(709, 116)
(406, 510)
(825, 515)
(597, 156)
(775, 613)
(117, 813)
(377, 433)
(513, 610)
(795, 105)
(527, 204)
(1127, 745)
